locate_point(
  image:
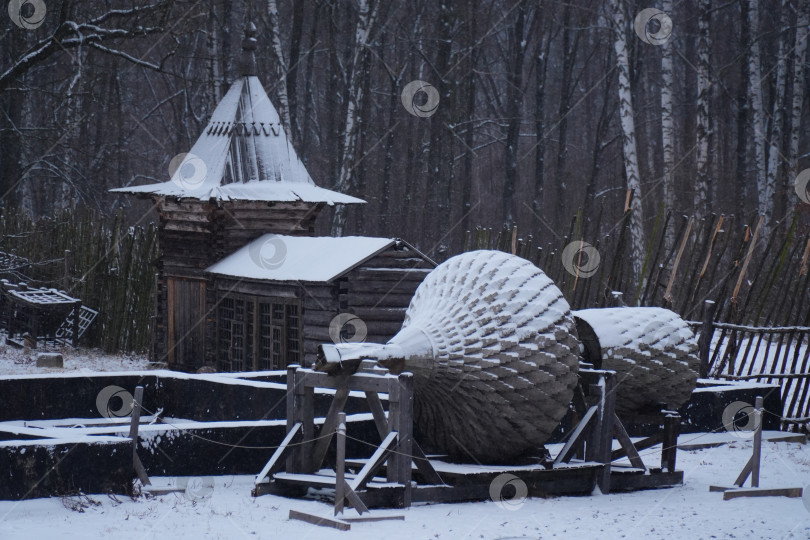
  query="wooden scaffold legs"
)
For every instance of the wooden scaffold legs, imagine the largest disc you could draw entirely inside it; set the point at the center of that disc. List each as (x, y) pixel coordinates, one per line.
(751, 469)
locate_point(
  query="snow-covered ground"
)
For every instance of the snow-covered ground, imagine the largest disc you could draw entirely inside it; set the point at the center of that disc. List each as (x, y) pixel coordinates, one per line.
(15, 361)
(229, 511)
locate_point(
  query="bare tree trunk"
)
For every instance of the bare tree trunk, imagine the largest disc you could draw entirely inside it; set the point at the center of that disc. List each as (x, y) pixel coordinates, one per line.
(668, 127)
(469, 113)
(281, 67)
(741, 187)
(517, 52)
(569, 54)
(292, 73)
(540, 68)
(214, 69)
(365, 20)
(799, 50)
(628, 134)
(768, 194)
(702, 122)
(757, 109)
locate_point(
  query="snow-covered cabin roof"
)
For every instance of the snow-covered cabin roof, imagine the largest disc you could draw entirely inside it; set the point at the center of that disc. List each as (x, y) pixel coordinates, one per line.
(316, 259)
(243, 153)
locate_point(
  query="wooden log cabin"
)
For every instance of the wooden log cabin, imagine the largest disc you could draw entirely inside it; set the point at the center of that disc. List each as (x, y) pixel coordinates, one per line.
(240, 193)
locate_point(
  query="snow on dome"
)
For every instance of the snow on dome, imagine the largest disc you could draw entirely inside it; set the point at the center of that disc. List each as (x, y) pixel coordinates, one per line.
(243, 154)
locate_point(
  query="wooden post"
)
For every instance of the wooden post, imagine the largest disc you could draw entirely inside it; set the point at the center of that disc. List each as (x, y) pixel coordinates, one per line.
(393, 425)
(706, 333)
(607, 402)
(404, 449)
(292, 457)
(340, 464)
(669, 441)
(133, 434)
(67, 280)
(757, 442)
(308, 420)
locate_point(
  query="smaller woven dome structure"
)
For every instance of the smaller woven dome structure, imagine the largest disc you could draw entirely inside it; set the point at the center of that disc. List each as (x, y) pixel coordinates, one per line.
(492, 346)
(652, 351)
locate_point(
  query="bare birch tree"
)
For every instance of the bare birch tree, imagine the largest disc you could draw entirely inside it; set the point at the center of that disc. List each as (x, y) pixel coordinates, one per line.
(668, 126)
(767, 195)
(281, 67)
(702, 121)
(799, 59)
(365, 21)
(628, 133)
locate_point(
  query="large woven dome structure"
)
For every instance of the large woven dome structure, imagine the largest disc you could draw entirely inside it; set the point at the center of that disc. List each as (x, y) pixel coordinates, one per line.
(490, 341)
(652, 350)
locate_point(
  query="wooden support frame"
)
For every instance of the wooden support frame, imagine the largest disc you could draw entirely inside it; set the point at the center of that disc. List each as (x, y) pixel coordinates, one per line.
(133, 434)
(752, 467)
(305, 457)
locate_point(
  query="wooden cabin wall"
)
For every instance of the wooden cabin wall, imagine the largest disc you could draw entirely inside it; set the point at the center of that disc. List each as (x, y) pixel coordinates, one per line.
(319, 304)
(380, 290)
(193, 235)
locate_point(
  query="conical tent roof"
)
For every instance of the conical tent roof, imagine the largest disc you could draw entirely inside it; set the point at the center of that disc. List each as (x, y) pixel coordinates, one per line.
(243, 154)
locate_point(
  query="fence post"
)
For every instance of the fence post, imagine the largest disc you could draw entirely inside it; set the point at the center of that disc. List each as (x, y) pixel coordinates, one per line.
(705, 341)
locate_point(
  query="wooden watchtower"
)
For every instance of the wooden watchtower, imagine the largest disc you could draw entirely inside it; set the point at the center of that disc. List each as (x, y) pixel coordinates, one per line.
(239, 186)
(240, 180)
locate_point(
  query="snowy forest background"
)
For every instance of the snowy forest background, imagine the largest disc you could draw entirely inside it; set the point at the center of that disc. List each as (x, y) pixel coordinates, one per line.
(555, 119)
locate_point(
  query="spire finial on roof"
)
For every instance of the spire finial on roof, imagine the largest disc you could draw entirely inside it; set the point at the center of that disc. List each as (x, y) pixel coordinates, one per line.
(249, 51)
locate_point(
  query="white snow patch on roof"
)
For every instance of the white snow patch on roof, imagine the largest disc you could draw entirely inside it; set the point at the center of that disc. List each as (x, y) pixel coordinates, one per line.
(316, 259)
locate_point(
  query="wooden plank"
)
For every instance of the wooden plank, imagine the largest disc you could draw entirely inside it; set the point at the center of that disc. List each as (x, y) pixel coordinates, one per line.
(669, 441)
(291, 413)
(358, 382)
(423, 465)
(340, 464)
(377, 411)
(792, 492)
(579, 431)
(331, 422)
(745, 472)
(274, 464)
(405, 438)
(374, 462)
(625, 481)
(624, 440)
(757, 442)
(321, 521)
(605, 432)
(375, 517)
(643, 444)
(356, 501)
(133, 434)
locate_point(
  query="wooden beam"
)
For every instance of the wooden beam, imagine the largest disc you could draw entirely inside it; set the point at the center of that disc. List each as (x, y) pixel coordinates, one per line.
(321, 521)
(340, 464)
(329, 424)
(423, 465)
(275, 461)
(757, 442)
(133, 434)
(377, 411)
(374, 462)
(762, 492)
(579, 431)
(624, 440)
